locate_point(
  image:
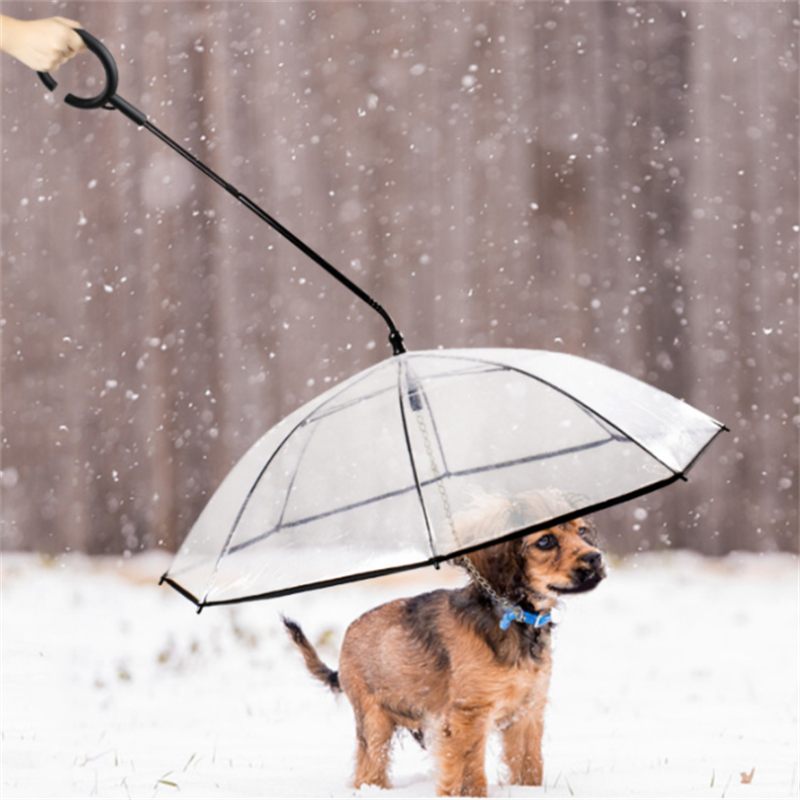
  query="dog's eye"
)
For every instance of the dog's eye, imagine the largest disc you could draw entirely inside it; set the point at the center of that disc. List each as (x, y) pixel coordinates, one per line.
(585, 533)
(547, 542)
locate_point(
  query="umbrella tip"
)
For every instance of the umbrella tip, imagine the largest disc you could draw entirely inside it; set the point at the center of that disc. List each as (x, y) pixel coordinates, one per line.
(396, 341)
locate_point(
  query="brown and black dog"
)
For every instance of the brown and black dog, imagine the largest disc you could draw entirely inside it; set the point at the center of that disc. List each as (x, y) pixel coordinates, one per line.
(441, 665)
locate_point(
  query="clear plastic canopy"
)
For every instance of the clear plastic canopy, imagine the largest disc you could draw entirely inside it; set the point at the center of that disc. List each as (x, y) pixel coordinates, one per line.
(372, 476)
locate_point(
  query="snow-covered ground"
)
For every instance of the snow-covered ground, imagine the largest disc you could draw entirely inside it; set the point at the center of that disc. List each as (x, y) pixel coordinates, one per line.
(673, 679)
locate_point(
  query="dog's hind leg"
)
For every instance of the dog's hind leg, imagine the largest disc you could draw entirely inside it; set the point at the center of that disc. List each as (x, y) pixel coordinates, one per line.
(374, 731)
(522, 746)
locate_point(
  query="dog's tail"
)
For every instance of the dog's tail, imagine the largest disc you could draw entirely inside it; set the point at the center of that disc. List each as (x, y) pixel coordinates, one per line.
(314, 663)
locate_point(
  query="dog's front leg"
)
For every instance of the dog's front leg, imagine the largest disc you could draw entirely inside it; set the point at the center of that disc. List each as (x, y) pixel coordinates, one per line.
(522, 748)
(461, 753)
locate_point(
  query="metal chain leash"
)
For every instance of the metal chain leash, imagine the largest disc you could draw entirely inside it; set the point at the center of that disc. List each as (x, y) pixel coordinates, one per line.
(487, 587)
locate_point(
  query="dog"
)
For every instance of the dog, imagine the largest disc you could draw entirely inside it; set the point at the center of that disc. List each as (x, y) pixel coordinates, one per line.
(451, 666)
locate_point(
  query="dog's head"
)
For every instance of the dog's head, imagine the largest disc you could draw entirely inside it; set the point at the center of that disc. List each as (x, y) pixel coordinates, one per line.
(536, 569)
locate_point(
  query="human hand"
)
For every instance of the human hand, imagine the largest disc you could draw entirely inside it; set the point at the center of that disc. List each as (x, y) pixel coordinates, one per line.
(41, 44)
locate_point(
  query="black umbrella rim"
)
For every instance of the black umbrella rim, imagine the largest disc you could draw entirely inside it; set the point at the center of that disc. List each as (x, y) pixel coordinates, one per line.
(437, 560)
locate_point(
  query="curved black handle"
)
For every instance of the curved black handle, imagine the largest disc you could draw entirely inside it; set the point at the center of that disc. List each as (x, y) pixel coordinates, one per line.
(109, 99)
(109, 65)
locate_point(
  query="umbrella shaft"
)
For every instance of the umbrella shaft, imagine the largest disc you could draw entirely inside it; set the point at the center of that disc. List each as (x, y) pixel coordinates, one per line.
(395, 337)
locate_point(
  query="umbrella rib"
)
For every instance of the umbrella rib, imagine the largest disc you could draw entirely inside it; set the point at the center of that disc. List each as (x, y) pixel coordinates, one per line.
(226, 548)
(423, 485)
(574, 399)
(299, 461)
(489, 366)
(378, 392)
(317, 517)
(403, 371)
(317, 414)
(427, 404)
(565, 451)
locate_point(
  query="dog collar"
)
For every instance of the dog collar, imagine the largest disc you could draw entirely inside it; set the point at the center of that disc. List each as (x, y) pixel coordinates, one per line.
(520, 615)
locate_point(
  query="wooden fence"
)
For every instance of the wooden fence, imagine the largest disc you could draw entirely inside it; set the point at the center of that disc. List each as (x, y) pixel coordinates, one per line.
(614, 180)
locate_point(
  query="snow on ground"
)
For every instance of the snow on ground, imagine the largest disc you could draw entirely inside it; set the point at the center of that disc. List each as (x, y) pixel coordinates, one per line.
(672, 679)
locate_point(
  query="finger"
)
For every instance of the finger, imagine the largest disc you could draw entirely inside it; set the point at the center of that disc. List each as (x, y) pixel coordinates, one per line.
(57, 58)
(73, 41)
(55, 62)
(70, 23)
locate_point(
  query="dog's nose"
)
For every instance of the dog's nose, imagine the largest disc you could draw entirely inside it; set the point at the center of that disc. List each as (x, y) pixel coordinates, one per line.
(593, 560)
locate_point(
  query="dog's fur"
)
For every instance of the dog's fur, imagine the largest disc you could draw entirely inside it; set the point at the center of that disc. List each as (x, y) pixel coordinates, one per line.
(439, 665)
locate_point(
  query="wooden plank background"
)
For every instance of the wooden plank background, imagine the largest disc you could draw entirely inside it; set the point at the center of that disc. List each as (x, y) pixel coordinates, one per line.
(613, 180)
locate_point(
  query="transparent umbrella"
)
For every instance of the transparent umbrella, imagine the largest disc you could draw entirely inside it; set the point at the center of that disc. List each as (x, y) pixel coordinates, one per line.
(373, 476)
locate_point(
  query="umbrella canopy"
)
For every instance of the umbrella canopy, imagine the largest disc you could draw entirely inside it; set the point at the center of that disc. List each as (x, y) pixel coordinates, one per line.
(373, 476)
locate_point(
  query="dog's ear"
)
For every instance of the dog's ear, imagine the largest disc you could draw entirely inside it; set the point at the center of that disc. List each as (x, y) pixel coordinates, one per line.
(503, 565)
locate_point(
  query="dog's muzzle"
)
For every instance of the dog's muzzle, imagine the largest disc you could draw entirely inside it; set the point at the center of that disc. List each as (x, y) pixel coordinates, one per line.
(585, 577)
